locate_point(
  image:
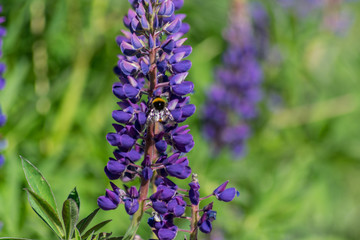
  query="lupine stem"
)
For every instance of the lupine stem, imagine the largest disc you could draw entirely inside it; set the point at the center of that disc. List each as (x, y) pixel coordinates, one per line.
(203, 198)
(194, 221)
(150, 150)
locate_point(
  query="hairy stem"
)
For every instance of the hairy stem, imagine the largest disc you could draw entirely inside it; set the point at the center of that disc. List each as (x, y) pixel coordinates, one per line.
(194, 221)
(150, 150)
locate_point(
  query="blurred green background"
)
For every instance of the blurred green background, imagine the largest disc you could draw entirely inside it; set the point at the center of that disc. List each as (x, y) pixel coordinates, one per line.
(300, 178)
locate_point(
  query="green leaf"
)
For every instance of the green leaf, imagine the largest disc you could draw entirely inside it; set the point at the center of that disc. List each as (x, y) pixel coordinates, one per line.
(75, 196)
(38, 183)
(93, 236)
(70, 214)
(95, 228)
(103, 236)
(45, 212)
(82, 225)
(77, 234)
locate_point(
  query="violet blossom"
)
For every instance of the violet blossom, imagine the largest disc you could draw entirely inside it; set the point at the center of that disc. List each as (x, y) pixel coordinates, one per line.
(153, 101)
(232, 100)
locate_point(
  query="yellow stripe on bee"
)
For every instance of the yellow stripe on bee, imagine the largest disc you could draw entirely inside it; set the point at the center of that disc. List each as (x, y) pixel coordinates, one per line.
(158, 99)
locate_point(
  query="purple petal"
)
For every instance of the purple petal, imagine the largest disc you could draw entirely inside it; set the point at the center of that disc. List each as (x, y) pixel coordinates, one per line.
(113, 138)
(176, 57)
(131, 206)
(188, 110)
(133, 192)
(173, 27)
(119, 91)
(127, 141)
(178, 171)
(110, 175)
(227, 195)
(183, 88)
(144, 22)
(161, 146)
(206, 227)
(115, 167)
(128, 68)
(177, 114)
(106, 204)
(127, 49)
(221, 188)
(121, 116)
(182, 66)
(130, 91)
(167, 9)
(160, 207)
(168, 46)
(147, 173)
(185, 49)
(183, 139)
(166, 234)
(178, 78)
(178, 4)
(134, 155)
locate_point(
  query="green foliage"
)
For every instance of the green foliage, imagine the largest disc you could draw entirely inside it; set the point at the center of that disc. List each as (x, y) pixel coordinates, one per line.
(42, 202)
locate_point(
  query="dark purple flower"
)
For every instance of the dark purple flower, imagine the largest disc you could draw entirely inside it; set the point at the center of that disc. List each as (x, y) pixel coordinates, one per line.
(194, 194)
(205, 222)
(163, 226)
(225, 194)
(111, 199)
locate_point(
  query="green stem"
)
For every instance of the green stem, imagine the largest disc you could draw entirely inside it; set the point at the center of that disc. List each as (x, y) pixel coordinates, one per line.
(194, 221)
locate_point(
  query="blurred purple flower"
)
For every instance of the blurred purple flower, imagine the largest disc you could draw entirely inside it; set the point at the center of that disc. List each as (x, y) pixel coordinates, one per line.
(2, 79)
(232, 101)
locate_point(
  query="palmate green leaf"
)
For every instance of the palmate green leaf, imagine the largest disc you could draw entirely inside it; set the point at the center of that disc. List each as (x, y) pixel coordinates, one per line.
(77, 234)
(45, 212)
(82, 225)
(75, 196)
(38, 183)
(94, 229)
(70, 214)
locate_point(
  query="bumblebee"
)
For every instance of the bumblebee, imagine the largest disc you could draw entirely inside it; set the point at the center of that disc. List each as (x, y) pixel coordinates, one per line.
(159, 111)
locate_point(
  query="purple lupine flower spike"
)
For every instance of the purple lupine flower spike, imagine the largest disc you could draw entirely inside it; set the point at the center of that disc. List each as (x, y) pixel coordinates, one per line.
(2, 85)
(153, 100)
(232, 101)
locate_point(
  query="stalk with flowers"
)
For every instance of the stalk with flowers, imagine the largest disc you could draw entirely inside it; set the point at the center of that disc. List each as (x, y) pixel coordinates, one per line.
(153, 102)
